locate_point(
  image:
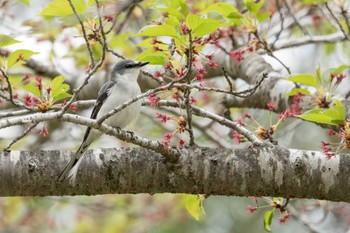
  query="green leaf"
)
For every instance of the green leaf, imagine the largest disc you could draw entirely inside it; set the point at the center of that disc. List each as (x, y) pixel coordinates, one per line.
(62, 8)
(159, 30)
(172, 12)
(201, 27)
(56, 85)
(194, 206)
(252, 6)
(180, 5)
(268, 220)
(263, 16)
(337, 112)
(32, 88)
(335, 115)
(306, 79)
(207, 27)
(340, 69)
(318, 76)
(6, 40)
(27, 2)
(155, 58)
(61, 96)
(296, 91)
(18, 56)
(193, 21)
(173, 21)
(318, 116)
(223, 8)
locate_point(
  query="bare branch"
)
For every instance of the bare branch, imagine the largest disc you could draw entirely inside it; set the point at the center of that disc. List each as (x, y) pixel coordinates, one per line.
(92, 60)
(187, 92)
(20, 136)
(336, 20)
(330, 38)
(277, 172)
(9, 86)
(156, 146)
(221, 120)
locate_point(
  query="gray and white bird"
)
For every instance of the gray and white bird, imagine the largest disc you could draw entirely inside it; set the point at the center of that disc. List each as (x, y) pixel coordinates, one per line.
(121, 87)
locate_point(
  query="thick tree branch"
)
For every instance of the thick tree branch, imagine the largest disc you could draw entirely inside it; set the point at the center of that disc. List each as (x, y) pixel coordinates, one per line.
(248, 172)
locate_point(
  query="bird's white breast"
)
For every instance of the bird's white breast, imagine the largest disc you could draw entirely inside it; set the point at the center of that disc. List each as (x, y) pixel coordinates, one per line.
(123, 91)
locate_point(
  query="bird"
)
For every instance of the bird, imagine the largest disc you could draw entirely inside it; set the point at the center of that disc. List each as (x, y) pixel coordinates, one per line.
(121, 87)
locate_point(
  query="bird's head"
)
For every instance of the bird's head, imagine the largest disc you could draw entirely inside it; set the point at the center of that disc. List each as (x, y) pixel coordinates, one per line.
(127, 69)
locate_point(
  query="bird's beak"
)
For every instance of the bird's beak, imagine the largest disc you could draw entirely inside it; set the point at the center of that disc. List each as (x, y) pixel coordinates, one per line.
(140, 64)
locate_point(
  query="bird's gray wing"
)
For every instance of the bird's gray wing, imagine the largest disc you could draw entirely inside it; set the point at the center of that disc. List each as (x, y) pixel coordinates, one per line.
(69, 171)
(101, 98)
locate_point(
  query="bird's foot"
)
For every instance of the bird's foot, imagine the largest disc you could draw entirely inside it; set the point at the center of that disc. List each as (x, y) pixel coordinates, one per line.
(131, 133)
(117, 128)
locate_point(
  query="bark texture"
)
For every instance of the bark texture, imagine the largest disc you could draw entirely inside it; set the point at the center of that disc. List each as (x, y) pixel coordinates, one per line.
(255, 171)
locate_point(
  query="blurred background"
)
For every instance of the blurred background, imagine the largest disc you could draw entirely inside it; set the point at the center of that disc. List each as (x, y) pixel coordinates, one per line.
(59, 44)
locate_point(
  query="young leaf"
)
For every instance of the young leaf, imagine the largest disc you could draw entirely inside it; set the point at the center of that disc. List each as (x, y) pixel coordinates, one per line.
(223, 8)
(33, 88)
(172, 12)
(193, 21)
(6, 40)
(337, 112)
(159, 30)
(18, 56)
(263, 16)
(180, 5)
(194, 206)
(208, 26)
(62, 8)
(56, 85)
(318, 76)
(61, 96)
(296, 91)
(335, 115)
(268, 220)
(252, 6)
(27, 2)
(306, 79)
(340, 69)
(201, 27)
(155, 58)
(317, 115)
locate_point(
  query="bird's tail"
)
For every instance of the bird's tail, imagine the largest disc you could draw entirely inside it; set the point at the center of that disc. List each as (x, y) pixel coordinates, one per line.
(71, 169)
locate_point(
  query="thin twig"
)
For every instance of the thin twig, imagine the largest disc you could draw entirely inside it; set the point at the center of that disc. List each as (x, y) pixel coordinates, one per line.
(125, 19)
(336, 20)
(346, 17)
(114, 53)
(20, 136)
(302, 28)
(270, 53)
(227, 79)
(330, 39)
(171, 154)
(84, 33)
(9, 86)
(282, 21)
(95, 67)
(123, 6)
(221, 120)
(16, 102)
(160, 80)
(14, 113)
(187, 92)
(205, 129)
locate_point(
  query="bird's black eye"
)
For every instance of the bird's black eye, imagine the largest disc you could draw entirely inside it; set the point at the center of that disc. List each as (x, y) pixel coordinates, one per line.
(129, 66)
